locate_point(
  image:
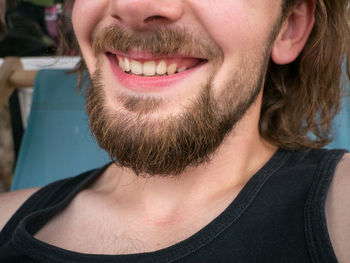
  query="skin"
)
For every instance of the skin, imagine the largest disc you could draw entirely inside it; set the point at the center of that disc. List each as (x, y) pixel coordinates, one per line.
(179, 14)
(166, 205)
(338, 212)
(244, 143)
(162, 201)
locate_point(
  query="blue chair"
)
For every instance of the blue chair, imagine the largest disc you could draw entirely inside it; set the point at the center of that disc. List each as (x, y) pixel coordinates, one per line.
(57, 142)
(341, 124)
(341, 127)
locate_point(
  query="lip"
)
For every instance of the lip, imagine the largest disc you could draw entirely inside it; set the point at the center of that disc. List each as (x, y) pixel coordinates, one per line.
(147, 84)
(145, 55)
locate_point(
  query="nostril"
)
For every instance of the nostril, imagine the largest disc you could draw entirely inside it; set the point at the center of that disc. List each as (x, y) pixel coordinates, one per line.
(116, 17)
(155, 19)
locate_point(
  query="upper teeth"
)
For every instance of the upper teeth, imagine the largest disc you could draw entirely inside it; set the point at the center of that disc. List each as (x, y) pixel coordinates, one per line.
(148, 68)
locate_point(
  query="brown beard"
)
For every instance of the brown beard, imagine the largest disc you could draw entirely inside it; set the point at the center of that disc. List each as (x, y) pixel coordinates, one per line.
(166, 147)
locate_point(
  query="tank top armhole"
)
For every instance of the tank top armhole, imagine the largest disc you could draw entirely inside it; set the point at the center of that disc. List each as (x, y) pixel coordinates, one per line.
(317, 236)
(46, 196)
(32, 203)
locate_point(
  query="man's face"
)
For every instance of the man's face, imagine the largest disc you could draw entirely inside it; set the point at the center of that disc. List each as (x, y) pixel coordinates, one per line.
(170, 79)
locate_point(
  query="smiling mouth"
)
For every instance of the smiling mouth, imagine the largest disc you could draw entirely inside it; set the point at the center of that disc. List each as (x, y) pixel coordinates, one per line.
(144, 65)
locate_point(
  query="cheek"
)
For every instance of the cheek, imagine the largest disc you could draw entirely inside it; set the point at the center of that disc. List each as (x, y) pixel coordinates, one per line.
(236, 26)
(86, 16)
(241, 28)
(87, 13)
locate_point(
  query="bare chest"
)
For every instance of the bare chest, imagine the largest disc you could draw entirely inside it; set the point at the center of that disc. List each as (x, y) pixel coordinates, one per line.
(103, 234)
(96, 225)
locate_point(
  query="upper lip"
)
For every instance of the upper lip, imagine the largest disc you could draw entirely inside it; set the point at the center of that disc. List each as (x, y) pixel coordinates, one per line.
(145, 55)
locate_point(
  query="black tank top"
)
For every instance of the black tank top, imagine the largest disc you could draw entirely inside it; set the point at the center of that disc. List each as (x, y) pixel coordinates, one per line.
(278, 217)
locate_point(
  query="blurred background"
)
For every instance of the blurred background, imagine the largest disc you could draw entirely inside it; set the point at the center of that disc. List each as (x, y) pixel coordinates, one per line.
(29, 28)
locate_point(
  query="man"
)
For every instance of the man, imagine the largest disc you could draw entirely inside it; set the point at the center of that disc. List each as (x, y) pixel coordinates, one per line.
(206, 109)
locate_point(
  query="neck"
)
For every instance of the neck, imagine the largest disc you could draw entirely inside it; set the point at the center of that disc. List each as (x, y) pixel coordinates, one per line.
(240, 156)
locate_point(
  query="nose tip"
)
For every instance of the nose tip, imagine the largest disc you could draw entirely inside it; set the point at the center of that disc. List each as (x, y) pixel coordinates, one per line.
(138, 14)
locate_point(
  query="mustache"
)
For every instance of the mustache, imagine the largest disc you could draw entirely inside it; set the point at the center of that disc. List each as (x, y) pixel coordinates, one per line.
(163, 41)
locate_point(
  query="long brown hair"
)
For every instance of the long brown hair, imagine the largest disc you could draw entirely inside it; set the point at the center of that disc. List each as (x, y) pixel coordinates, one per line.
(301, 99)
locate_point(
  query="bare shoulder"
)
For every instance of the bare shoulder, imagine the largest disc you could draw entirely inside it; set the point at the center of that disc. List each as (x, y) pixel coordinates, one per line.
(11, 201)
(338, 210)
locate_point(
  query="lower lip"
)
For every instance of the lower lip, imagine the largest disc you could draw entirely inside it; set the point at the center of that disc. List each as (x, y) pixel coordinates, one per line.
(148, 84)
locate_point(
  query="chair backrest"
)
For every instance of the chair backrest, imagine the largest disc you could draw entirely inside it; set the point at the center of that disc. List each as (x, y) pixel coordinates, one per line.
(341, 127)
(57, 142)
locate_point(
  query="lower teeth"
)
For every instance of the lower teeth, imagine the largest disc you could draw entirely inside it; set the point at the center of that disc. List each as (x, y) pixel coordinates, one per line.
(141, 75)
